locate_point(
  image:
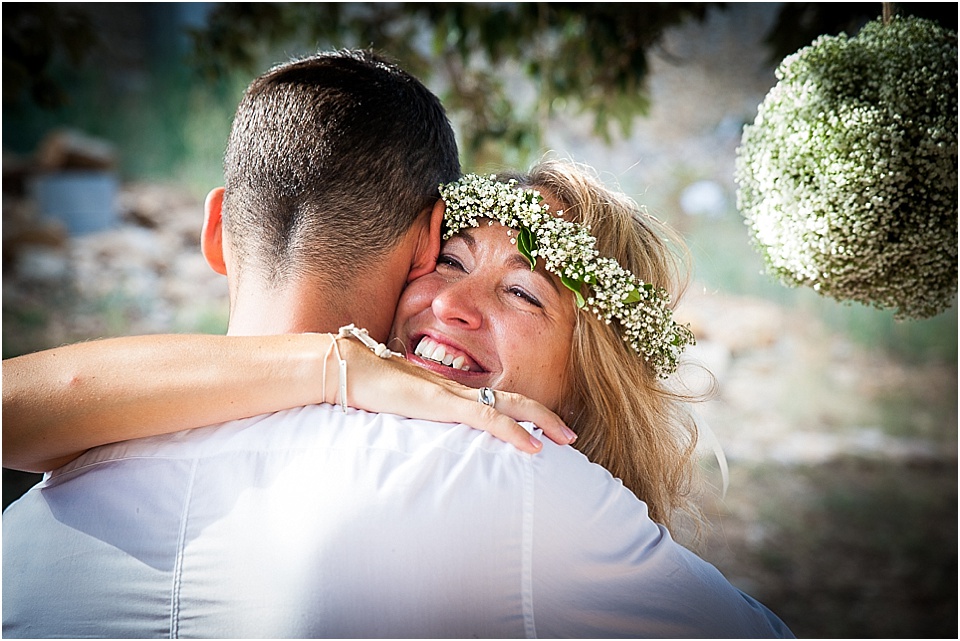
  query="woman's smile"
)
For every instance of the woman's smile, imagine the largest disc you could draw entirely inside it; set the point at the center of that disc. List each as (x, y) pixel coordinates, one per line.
(439, 353)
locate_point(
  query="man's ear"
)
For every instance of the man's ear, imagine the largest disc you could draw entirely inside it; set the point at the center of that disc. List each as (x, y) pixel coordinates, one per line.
(211, 236)
(428, 243)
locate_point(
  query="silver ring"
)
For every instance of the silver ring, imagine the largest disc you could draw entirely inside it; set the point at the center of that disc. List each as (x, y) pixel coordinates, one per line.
(487, 397)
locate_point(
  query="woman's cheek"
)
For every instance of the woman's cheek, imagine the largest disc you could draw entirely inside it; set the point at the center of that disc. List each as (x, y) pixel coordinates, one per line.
(416, 304)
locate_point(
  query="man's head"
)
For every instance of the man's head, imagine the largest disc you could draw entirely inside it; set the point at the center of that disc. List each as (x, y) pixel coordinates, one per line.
(331, 160)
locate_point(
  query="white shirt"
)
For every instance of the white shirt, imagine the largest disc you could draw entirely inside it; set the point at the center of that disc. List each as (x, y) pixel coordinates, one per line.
(315, 523)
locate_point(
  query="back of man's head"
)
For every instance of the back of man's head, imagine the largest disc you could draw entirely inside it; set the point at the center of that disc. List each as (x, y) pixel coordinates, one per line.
(329, 162)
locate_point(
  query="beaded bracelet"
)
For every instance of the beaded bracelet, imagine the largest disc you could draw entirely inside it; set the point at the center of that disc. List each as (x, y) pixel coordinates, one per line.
(361, 335)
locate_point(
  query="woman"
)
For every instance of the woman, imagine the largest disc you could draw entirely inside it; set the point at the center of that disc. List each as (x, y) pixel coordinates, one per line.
(522, 301)
(611, 396)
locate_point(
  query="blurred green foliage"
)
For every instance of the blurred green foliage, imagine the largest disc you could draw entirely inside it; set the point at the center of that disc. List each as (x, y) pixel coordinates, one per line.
(594, 56)
(34, 38)
(584, 57)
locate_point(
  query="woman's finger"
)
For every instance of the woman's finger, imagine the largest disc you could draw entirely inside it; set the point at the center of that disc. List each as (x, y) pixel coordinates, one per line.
(452, 406)
(521, 408)
(511, 406)
(461, 404)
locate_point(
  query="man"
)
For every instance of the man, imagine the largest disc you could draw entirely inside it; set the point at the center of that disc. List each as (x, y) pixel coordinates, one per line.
(318, 523)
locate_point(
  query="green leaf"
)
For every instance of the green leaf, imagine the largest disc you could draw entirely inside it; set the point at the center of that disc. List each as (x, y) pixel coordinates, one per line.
(632, 297)
(526, 244)
(574, 286)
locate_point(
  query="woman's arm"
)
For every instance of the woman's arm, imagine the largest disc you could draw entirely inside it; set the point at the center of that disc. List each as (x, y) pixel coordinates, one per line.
(60, 402)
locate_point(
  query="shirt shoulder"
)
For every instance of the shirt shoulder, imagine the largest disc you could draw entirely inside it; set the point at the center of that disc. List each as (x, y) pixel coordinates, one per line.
(605, 568)
(305, 428)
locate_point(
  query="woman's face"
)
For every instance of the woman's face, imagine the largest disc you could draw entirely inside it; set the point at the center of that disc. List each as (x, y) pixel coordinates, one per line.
(484, 319)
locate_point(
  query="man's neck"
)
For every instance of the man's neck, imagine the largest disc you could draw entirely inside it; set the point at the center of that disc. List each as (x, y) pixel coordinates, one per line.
(309, 307)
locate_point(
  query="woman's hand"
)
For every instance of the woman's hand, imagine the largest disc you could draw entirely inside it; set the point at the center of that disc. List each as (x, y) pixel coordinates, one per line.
(395, 386)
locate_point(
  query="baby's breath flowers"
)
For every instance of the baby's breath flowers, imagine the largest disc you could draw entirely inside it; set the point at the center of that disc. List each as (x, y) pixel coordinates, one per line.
(642, 310)
(848, 177)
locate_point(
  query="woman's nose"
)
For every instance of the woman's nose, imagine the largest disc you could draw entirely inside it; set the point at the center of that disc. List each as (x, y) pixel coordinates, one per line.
(459, 304)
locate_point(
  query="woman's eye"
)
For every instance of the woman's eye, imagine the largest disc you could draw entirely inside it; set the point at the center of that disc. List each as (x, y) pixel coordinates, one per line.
(446, 260)
(524, 296)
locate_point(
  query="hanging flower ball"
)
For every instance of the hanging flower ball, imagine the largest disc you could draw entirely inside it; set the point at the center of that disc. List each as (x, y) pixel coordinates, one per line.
(848, 176)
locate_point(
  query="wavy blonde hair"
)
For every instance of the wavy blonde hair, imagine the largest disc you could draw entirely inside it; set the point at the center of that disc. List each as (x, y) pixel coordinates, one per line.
(626, 418)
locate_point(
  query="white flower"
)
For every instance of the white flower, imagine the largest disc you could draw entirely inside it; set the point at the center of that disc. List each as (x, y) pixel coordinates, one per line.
(848, 176)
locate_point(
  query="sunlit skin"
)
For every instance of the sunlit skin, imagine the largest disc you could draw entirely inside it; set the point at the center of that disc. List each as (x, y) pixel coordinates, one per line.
(511, 326)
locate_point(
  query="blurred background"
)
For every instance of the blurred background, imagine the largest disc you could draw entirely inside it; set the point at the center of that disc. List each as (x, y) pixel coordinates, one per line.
(838, 423)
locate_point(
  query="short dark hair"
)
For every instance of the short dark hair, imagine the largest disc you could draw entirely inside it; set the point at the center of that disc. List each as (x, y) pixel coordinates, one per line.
(330, 160)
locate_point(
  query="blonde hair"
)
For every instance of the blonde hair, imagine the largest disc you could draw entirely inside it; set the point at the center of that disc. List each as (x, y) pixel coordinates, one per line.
(625, 417)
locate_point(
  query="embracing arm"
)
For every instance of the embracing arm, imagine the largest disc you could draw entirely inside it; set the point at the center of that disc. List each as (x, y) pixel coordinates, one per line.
(60, 402)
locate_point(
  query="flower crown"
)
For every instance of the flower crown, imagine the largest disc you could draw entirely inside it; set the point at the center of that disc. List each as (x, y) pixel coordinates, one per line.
(569, 251)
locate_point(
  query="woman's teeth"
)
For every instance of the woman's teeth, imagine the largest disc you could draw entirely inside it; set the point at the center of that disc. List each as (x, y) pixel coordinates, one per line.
(431, 350)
